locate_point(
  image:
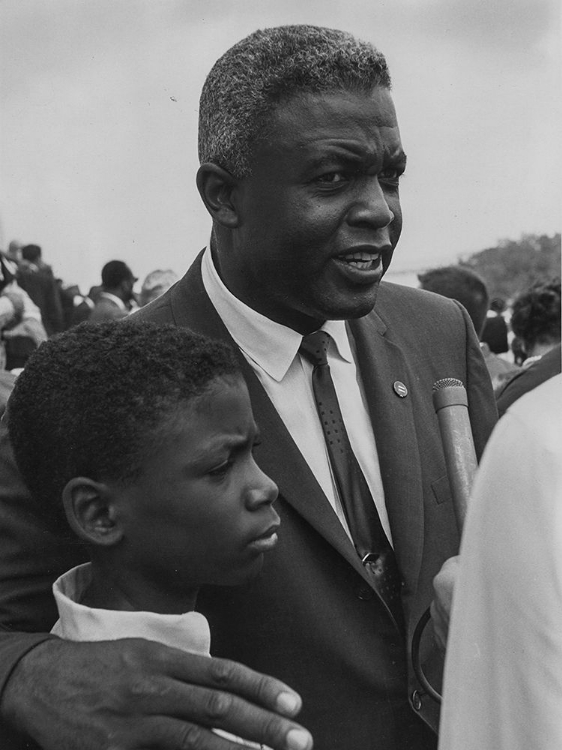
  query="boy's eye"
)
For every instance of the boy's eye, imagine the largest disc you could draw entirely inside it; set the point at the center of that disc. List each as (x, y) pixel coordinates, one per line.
(221, 470)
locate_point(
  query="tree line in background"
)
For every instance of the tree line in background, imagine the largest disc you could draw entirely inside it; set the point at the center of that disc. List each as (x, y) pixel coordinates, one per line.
(513, 266)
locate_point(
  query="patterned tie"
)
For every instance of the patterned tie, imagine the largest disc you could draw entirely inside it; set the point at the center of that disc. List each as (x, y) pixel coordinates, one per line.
(360, 511)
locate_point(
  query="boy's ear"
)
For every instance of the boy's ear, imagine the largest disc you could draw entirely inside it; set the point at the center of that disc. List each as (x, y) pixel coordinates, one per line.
(90, 511)
(217, 188)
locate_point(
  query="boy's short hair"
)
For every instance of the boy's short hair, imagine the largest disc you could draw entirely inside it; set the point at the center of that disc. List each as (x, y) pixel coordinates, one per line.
(91, 401)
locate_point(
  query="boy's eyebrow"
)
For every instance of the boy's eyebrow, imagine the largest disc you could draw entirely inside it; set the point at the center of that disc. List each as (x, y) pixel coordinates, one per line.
(229, 443)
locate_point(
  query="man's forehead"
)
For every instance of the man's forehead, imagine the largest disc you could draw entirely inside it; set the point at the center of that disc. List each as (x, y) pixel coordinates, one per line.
(340, 107)
(336, 118)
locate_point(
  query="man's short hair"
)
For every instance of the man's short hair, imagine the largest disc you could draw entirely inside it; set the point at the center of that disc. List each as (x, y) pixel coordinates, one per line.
(114, 272)
(535, 314)
(462, 284)
(31, 253)
(269, 67)
(95, 400)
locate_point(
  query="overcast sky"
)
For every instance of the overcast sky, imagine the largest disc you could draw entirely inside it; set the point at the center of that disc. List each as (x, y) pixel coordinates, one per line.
(99, 106)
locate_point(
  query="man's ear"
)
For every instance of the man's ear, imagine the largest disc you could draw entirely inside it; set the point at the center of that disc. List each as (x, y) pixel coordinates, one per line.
(90, 511)
(217, 187)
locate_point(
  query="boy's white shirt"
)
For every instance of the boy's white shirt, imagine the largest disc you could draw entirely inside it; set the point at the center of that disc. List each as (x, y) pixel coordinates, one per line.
(189, 631)
(77, 622)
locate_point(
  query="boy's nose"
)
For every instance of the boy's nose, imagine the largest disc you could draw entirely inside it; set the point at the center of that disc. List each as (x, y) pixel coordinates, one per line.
(262, 489)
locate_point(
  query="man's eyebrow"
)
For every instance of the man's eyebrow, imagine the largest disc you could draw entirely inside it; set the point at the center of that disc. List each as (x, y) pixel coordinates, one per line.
(336, 154)
(349, 153)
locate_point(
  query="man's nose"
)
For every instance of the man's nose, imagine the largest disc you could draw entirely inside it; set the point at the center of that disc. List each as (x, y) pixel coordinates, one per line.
(261, 489)
(370, 206)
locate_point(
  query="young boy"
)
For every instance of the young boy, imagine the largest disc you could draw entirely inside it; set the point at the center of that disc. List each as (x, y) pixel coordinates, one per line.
(143, 437)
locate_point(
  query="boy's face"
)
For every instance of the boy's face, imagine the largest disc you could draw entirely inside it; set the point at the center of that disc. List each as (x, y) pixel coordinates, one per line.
(201, 512)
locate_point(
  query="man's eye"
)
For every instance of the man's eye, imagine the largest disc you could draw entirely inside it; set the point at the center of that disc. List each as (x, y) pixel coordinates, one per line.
(332, 178)
(392, 175)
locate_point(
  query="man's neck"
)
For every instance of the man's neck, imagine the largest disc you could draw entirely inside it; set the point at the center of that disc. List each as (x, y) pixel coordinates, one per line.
(296, 320)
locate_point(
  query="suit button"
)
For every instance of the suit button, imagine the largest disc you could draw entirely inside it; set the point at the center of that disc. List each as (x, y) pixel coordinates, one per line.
(365, 592)
(416, 700)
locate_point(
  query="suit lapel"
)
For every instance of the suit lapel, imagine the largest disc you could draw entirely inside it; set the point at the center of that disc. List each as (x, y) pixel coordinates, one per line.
(383, 367)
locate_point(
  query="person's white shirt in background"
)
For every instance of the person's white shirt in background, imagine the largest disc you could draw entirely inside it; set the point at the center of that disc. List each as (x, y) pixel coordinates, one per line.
(503, 670)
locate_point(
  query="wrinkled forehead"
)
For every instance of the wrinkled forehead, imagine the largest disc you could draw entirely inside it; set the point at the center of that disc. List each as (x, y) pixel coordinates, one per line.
(313, 121)
(329, 107)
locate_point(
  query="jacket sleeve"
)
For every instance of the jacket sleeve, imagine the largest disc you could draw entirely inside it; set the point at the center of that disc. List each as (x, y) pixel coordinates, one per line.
(31, 558)
(481, 400)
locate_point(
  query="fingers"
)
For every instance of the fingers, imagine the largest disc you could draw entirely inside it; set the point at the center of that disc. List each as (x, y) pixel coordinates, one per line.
(443, 586)
(132, 694)
(221, 694)
(235, 678)
(171, 734)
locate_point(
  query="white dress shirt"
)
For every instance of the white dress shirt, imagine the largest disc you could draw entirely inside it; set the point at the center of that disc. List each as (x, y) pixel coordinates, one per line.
(77, 622)
(272, 350)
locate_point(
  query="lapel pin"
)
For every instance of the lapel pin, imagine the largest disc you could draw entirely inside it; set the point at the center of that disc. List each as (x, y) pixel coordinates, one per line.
(400, 389)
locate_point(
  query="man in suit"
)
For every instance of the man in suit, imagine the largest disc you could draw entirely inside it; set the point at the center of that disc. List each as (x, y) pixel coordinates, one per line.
(300, 163)
(114, 300)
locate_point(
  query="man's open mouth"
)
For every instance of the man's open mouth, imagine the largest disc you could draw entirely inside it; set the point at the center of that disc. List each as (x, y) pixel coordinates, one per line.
(361, 260)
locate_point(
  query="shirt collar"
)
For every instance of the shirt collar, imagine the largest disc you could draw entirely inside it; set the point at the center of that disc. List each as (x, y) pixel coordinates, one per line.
(118, 301)
(270, 345)
(189, 631)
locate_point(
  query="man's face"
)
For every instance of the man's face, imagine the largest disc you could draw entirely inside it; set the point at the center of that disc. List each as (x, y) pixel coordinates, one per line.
(319, 216)
(201, 512)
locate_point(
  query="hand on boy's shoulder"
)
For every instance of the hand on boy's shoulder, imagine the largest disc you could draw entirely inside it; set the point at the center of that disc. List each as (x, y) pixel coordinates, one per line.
(146, 695)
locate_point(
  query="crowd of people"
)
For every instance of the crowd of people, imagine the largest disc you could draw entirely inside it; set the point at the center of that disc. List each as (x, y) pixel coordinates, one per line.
(249, 465)
(35, 304)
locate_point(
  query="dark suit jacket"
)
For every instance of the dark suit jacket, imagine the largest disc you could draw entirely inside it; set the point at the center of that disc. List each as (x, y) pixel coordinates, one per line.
(312, 617)
(42, 287)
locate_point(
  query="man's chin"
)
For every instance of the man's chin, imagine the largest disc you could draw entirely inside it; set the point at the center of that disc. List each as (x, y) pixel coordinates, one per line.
(352, 306)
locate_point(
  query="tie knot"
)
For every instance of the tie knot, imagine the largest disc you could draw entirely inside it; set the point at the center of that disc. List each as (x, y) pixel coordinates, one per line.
(314, 347)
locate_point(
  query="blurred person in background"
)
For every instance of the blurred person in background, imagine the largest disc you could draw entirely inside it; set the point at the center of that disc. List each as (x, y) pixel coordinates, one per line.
(535, 321)
(156, 283)
(495, 332)
(116, 297)
(20, 319)
(38, 280)
(465, 286)
(13, 252)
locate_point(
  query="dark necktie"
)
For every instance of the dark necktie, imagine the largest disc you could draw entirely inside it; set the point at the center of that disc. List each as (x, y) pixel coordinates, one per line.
(368, 535)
